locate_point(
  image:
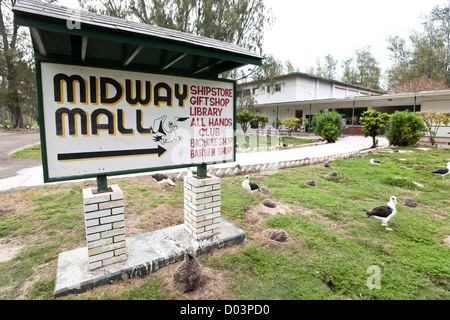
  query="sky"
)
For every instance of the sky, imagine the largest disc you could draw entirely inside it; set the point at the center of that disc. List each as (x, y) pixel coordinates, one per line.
(305, 30)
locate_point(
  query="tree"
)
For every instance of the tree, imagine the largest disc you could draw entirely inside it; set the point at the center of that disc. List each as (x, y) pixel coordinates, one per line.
(401, 56)
(260, 120)
(433, 120)
(418, 85)
(241, 22)
(290, 67)
(440, 18)
(404, 129)
(428, 57)
(327, 124)
(16, 68)
(290, 123)
(372, 122)
(363, 70)
(244, 118)
(325, 70)
(266, 74)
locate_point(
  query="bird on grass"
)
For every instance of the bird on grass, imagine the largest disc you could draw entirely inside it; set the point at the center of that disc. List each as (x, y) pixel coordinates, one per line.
(284, 145)
(385, 212)
(163, 180)
(191, 172)
(375, 161)
(252, 187)
(188, 274)
(443, 171)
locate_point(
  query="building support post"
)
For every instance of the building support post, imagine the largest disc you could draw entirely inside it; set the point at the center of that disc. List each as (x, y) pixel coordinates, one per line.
(102, 183)
(309, 120)
(201, 171)
(353, 116)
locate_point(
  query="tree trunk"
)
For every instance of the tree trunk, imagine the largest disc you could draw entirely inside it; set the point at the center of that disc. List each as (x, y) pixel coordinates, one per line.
(17, 119)
(432, 140)
(374, 142)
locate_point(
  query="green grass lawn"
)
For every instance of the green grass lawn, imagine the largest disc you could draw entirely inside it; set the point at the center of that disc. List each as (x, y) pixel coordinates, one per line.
(33, 152)
(332, 244)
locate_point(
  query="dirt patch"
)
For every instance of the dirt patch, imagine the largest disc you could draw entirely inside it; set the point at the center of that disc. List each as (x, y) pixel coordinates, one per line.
(447, 241)
(9, 251)
(161, 217)
(424, 149)
(14, 202)
(212, 286)
(255, 214)
(438, 217)
(3, 213)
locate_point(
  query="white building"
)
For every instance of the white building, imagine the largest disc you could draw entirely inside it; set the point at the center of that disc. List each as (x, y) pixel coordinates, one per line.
(302, 96)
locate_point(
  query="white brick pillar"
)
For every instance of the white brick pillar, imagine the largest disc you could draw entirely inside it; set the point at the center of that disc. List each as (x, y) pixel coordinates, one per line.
(105, 227)
(202, 206)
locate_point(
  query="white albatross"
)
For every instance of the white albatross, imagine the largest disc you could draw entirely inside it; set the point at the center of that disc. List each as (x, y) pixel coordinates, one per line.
(384, 213)
(443, 171)
(163, 179)
(249, 186)
(375, 161)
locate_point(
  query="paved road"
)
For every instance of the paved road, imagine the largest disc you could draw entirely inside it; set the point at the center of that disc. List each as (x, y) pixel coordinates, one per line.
(10, 142)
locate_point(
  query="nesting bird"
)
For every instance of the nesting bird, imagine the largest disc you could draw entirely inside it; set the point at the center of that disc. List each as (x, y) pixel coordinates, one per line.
(385, 212)
(269, 203)
(443, 171)
(164, 179)
(279, 235)
(188, 274)
(375, 161)
(252, 187)
(331, 176)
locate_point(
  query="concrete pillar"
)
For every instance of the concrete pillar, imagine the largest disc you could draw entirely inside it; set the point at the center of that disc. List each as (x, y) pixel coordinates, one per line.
(202, 206)
(105, 227)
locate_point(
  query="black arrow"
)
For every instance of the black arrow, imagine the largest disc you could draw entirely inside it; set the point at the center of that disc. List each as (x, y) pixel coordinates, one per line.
(160, 151)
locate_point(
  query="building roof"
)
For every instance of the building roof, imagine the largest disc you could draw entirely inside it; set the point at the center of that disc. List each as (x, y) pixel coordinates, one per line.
(100, 39)
(395, 99)
(306, 75)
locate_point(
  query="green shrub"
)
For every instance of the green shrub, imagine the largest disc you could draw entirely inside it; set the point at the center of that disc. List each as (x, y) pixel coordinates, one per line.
(372, 122)
(404, 129)
(244, 119)
(327, 124)
(290, 123)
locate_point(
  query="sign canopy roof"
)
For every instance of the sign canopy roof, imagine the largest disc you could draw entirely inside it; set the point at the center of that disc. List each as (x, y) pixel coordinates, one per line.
(74, 36)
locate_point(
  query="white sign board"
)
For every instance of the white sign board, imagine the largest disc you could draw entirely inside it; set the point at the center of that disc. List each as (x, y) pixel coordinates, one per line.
(104, 121)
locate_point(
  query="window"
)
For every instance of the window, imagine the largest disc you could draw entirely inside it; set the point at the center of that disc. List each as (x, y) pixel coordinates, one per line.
(347, 115)
(277, 87)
